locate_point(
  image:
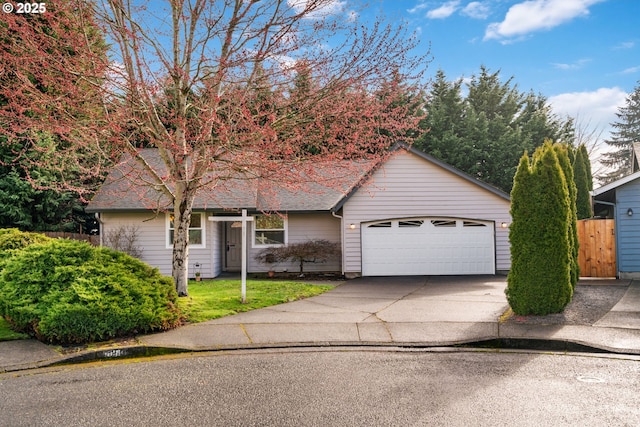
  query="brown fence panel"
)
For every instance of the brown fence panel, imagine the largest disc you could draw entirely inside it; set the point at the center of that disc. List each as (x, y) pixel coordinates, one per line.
(94, 240)
(597, 255)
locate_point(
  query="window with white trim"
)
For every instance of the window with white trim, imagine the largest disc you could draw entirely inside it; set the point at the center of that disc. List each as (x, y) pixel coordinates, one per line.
(197, 237)
(269, 230)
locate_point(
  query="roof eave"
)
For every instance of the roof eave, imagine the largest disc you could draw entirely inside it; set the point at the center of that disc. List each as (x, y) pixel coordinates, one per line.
(615, 184)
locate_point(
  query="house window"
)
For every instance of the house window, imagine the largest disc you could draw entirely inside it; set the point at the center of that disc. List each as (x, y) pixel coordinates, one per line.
(196, 230)
(443, 223)
(385, 224)
(269, 230)
(410, 223)
(473, 224)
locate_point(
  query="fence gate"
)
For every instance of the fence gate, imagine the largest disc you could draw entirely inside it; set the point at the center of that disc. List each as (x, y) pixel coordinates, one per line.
(597, 255)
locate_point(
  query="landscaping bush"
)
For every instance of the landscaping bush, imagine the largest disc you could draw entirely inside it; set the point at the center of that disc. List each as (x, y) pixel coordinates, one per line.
(65, 291)
(314, 251)
(539, 281)
(12, 239)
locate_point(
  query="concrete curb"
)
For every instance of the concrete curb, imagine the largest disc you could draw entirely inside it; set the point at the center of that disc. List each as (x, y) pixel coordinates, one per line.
(527, 339)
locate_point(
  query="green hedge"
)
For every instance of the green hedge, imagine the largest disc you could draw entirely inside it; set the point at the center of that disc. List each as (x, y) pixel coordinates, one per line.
(540, 279)
(67, 292)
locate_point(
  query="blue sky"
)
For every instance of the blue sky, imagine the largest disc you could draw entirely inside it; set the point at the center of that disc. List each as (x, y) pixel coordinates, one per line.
(583, 55)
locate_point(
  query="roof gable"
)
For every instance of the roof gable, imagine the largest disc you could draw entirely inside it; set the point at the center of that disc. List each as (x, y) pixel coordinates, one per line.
(436, 162)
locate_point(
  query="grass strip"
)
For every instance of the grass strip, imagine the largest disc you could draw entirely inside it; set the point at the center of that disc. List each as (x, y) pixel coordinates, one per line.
(211, 299)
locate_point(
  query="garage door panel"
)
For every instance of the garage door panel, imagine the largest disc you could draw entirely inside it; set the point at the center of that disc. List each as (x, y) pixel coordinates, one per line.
(428, 246)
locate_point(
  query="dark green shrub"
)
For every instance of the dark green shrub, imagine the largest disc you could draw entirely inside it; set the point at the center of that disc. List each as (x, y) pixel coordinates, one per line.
(539, 281)
(66, 291)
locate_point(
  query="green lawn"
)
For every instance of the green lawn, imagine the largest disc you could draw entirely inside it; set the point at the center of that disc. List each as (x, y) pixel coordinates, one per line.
(211, 299)
(7, 334)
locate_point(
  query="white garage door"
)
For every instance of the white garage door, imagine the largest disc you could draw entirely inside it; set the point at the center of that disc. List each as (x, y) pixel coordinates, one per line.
(427, 246)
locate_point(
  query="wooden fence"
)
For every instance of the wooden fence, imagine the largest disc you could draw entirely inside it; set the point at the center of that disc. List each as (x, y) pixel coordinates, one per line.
(94, 240)
(597, 255)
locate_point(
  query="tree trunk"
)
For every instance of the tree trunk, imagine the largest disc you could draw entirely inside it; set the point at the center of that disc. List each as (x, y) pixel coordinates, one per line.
(180, 256)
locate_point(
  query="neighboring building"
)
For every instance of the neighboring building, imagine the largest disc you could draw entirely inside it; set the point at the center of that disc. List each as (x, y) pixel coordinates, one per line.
(635, 157)
(412, 215)
(620, 200)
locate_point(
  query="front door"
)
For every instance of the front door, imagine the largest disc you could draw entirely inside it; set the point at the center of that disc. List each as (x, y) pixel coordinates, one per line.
(233, 238)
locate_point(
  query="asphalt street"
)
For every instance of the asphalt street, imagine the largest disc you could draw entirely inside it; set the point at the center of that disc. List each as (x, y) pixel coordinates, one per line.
(347, 387)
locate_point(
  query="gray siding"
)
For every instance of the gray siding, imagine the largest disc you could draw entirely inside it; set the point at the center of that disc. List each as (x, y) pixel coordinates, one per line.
(628, 229)
(300, 228)
(152, 240)
(410, 186)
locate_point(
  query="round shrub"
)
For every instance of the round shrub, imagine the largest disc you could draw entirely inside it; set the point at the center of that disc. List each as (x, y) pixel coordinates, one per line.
(66, 292)
(12, 240)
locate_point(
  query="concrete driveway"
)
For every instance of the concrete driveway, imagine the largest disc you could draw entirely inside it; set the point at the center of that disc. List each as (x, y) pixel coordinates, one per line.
(426, 299)
(372, 310)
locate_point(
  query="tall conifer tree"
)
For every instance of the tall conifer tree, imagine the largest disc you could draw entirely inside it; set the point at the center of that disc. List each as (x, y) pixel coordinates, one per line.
(539, 281)
(562, 151)
(626, 131)
(584, 183)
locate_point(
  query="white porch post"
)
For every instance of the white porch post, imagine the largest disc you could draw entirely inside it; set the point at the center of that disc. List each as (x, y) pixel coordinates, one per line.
(243, 270)
(244, 219)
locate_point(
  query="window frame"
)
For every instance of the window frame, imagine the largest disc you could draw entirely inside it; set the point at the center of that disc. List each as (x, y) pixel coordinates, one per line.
(255, 230)
(202, 228)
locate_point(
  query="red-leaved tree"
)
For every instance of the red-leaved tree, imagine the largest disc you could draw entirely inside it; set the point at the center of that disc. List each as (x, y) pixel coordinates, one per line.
(271, 89)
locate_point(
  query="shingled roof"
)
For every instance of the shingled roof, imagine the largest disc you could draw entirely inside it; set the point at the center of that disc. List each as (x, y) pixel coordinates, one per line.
(129, 188)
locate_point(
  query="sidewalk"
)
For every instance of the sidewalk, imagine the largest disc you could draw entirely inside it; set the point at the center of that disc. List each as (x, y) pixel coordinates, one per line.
(382, 311)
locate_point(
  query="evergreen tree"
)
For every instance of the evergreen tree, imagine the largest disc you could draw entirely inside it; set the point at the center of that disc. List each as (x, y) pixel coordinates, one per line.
(539, 281)
(441, 127)
(29, 208)
(486, 132)
(562, 152)
(584, 183)
(626, 131)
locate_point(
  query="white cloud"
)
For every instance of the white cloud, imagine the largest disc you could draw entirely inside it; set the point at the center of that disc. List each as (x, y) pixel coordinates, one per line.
(444, 11)
(116, 77)
(594, 112)
(534, 15)
(599, 106)
(624, 45)
(476, 10)
(631, 70)
(418, 8)
(574, 66)
(331, 7)
(285, 62)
